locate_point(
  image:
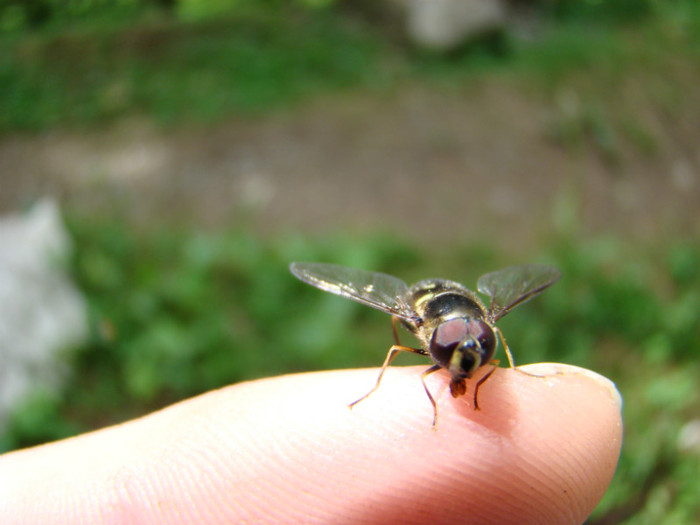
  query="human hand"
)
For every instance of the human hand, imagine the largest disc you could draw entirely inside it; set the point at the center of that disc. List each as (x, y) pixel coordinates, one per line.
(288, 450)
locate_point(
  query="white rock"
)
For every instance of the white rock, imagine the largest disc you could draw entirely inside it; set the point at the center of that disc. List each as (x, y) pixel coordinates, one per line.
(41, 312)
(445, 24)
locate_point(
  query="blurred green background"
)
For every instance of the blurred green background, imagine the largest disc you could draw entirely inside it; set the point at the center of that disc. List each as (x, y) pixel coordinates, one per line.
(199, 146)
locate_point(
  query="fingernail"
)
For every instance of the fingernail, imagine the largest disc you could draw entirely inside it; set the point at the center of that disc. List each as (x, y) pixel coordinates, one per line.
(560, 368)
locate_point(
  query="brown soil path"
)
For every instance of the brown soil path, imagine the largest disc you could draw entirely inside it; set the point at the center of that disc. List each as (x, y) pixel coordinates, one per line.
(440, 165)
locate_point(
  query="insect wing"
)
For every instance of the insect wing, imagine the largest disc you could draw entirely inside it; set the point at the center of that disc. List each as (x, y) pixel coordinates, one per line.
(513, 286)
(378, 290)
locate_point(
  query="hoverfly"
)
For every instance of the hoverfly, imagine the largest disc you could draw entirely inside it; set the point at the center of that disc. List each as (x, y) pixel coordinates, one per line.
(456, 330)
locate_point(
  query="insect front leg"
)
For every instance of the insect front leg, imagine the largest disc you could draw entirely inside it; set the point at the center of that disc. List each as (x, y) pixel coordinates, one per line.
(429, 371)
(481, 381)
(393, 352)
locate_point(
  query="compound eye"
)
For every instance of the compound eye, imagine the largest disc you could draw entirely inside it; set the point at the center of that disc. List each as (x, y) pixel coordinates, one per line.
(483, 333)
(445, 339)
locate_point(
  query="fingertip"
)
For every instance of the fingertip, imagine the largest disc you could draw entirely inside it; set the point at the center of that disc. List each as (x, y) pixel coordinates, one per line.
(570, 420)
(542, 449)
(550, 369)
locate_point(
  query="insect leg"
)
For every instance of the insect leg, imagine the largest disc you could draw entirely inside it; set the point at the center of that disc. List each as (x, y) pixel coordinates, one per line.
(510, 356)
(505, 347)
(482, 381)
(393, 352)
(395, 320)
(429, 371)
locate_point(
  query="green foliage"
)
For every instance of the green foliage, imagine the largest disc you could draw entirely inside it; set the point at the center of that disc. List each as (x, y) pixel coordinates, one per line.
(37, 419)
(206, 60)
(601, 10)
(203, 9)
(31, 15)
(178, 312)
(177, 72)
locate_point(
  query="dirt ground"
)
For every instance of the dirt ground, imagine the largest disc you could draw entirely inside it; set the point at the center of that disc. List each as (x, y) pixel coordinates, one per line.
(442, 165)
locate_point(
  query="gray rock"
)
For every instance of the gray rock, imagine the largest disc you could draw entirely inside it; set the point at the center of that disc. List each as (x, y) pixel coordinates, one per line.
(41, 312)
(445, 24)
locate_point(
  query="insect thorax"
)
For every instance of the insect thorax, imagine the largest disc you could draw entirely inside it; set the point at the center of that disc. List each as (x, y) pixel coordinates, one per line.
(437, 300)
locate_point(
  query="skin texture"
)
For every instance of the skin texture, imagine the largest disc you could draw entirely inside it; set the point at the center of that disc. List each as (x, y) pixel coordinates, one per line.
(288, 450)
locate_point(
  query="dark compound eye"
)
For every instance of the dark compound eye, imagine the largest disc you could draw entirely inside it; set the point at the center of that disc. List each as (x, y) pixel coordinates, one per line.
(483, 333)
(445, 339)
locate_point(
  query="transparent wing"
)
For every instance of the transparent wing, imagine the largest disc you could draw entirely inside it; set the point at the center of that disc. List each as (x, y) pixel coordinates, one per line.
(378, 290)
(513, 286)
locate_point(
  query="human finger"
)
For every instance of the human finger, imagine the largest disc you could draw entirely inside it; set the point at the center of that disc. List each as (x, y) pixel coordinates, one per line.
(288, 449)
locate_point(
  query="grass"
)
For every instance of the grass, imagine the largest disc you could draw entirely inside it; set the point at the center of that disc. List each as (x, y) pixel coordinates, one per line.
(252, 61)
(176, 312)
(176, 72)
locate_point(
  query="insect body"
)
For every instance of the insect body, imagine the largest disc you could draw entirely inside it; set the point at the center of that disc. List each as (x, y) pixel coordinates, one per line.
(456, 330)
